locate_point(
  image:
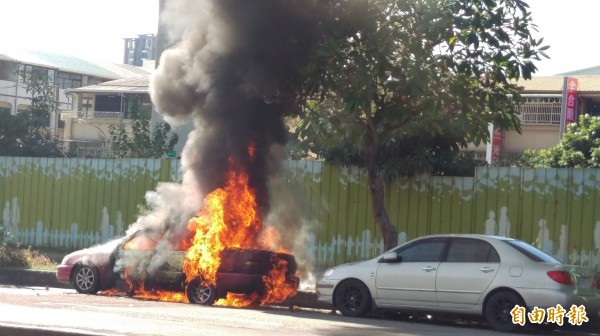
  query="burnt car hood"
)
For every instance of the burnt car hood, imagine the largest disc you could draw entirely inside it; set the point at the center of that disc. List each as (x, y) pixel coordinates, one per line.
(95, 255)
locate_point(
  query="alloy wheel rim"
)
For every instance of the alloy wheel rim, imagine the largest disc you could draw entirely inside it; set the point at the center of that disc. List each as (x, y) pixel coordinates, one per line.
(502, 310)
(85, 278)
(201, 293)
(352, 298)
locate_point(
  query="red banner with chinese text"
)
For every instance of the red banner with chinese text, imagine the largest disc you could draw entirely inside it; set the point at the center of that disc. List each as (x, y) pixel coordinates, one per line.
(496, 145)
(571, 103)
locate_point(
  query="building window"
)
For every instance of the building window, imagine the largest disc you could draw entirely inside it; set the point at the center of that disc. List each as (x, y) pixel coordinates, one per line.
(66, 80)
(86, 104)
(38, 73)
(106, 103)
(543, 100)
(5, 107)
(540, 110)
(22, 108)
(8, 71)
(51, 75)
(95, 80)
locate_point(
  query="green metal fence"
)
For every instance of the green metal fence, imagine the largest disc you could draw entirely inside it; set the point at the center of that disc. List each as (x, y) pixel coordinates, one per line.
(71, 203)
(74, 203)
(556, 209)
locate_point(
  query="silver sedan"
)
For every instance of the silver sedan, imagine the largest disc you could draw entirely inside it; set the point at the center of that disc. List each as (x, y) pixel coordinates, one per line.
(507, 281)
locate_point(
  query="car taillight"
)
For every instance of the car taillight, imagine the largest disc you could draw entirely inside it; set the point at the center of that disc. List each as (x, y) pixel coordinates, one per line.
(562, 277)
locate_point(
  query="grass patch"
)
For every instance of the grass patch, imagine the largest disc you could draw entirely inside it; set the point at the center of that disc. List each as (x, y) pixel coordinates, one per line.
(25, 257)
(13, 254)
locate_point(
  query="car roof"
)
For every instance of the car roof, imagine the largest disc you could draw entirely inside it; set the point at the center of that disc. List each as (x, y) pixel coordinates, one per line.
(466, 235)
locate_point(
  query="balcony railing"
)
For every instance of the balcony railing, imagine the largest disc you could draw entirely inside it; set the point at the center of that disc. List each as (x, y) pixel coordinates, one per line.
(91, 115)
(540, 113)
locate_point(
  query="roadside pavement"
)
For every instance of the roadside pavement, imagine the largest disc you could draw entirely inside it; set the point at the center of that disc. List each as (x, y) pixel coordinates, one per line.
(34, 278)
(28, 277)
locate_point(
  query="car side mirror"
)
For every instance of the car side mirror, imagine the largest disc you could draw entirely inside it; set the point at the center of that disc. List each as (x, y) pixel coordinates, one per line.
(390, 257)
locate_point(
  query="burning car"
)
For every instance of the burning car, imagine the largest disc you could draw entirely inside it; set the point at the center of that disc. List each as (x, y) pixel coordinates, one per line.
(150, 259)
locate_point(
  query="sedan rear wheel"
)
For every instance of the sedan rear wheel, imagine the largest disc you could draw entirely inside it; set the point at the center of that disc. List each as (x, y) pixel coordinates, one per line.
(498, 308)
(353, 298)
(86, 280)
(198, 293)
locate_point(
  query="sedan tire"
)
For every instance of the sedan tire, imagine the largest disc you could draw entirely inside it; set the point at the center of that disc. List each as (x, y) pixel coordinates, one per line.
(198, 293)
(352, 298)
(498, 308)
(85, 279)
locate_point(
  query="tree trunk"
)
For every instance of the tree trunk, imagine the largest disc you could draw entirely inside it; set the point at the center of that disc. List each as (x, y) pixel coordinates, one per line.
(388, 231)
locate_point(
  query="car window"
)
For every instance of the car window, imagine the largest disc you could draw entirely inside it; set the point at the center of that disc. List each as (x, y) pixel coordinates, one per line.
(472, 250)
(428, 250)
(179, 241)
(531, 252)
(144, 241)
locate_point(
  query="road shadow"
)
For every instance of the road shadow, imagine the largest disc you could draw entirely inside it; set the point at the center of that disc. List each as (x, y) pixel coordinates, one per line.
(444, 320)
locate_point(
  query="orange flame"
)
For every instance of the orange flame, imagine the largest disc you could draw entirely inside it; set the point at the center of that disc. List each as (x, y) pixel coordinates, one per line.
(154, 294)
(238, 300)
(229, 219)
(160, 295)
(278, 286)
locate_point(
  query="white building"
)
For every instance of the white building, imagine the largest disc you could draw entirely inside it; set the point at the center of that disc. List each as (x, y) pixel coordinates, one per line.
(96, 107)
(63, 72)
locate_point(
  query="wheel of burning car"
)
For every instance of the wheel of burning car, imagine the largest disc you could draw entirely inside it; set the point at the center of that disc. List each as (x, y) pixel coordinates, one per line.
(352, 298)
(498, 308)
(198, 293)
(85, 279)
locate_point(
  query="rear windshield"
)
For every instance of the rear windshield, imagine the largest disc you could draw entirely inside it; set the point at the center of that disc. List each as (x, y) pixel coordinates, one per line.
(532, 252)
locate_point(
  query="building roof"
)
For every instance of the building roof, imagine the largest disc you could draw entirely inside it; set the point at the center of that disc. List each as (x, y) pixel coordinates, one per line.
(4, 57)
(16, 55)
(127, 70)
(582, 72)
(71, 64)
(125, 85)
(554, 84)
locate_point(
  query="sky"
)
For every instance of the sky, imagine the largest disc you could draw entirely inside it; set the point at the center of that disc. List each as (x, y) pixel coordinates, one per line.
(95, 28)
(92, 29)
(570, 28)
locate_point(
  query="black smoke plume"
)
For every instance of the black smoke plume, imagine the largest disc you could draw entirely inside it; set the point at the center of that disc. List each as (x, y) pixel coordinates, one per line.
(234, 73)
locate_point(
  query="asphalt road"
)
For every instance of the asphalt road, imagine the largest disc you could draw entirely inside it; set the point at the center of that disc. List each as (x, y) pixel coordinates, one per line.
(38, 311)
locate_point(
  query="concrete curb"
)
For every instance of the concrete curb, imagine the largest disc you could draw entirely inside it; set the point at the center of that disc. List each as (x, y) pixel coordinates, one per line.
(25, 330)
(27, 277)
(35, 278)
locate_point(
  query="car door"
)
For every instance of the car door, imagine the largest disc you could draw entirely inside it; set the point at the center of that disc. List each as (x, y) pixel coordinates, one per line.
(167, 262)
(466, 272)
(136, 254)
(410, 280)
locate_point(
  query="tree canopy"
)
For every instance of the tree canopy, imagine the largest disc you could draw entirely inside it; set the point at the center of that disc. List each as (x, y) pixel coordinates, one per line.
(399, 87)
(579, 147)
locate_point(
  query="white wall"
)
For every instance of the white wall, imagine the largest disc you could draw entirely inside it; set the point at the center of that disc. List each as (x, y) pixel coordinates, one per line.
(17, 95)
(531, 137)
